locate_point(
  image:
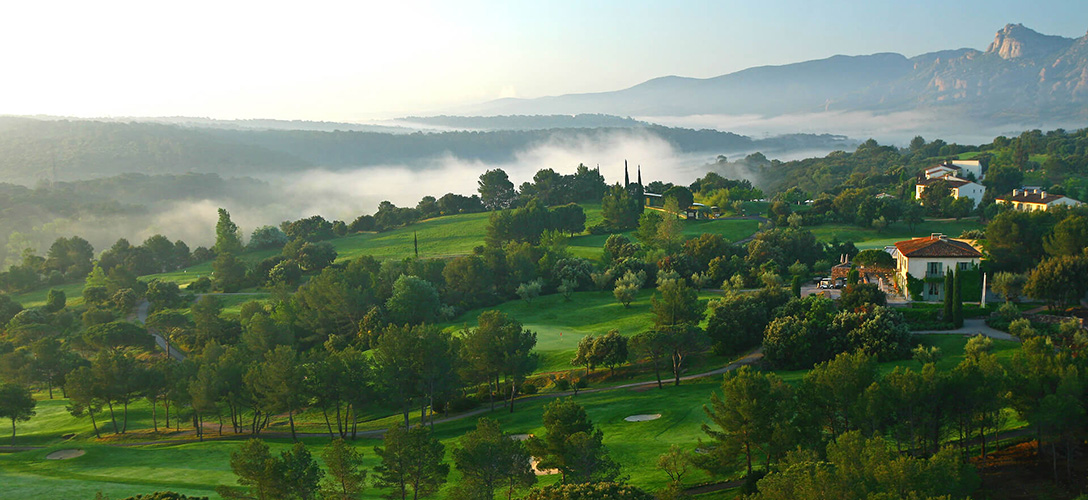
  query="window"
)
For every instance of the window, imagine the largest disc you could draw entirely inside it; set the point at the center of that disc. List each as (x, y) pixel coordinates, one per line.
(934, 269)
(964, 266)
(934, 288)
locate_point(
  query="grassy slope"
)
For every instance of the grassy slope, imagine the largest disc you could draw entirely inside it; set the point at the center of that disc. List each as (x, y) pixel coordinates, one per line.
(560, 324)
(196, 468)
(438, 237)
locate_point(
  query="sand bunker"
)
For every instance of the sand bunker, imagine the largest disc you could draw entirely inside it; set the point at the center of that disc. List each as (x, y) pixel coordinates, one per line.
(643, 418)
(533, 461)
(64, 454)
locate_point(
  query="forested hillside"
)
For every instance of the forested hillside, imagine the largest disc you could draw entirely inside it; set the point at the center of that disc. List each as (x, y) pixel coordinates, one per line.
(34, 150)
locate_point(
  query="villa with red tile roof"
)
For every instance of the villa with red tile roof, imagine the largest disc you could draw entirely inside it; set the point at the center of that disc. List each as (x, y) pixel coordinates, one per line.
(929, 258)
(1029, 199)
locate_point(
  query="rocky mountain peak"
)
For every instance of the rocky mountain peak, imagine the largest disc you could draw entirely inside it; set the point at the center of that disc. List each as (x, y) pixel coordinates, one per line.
(1016, 41)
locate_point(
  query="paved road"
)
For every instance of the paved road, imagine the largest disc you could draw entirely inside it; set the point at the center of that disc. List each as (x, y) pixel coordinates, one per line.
(751, 358)
(141, 314)
(972, 327)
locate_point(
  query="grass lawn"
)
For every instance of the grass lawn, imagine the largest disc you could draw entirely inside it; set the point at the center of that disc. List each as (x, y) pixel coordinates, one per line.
(865, 238)
(73, 292)
(560, 324)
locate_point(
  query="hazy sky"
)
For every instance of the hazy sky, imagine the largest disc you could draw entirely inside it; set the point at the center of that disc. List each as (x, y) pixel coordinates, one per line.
(362, 60)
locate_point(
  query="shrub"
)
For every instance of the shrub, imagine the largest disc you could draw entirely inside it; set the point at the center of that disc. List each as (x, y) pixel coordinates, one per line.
(1021, 329)
(528, 388)
(464, 403)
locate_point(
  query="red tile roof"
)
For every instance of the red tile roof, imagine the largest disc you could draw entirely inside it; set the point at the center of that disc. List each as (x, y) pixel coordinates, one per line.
(936, 246)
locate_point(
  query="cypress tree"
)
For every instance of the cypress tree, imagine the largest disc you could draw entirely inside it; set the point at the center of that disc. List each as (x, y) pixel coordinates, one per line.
(795, 286)
(957, 300)
(948, 296)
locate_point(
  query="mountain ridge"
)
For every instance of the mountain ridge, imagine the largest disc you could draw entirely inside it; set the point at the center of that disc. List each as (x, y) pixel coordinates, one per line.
(1022, 73)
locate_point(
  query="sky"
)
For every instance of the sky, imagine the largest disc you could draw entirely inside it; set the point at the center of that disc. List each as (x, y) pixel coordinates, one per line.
(366, 60)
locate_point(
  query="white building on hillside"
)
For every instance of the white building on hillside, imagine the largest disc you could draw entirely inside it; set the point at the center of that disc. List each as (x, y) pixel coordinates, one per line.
(964, 169)
(1029, 199)
(929, 258)
(961, 188)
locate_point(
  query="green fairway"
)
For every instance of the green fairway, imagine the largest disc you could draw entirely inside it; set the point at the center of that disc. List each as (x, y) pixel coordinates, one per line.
(73, 292)
(871, 238)
(560, 324)
(196, 468)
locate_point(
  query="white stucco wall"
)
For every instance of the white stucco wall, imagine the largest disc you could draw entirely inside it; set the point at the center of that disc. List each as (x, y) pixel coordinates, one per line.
(917, 267)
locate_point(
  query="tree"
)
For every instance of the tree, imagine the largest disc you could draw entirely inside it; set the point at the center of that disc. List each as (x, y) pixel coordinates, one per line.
(52, 362)
(414, 300)
(489, 461)
(17, 404)
(496, 190)
(957, 300)
(860, 468)
(874, 258)
(164, 294)
(585, 355)
(679, 304)
(589, 491)
(301, 474)
(933, 196)
(627, 287)
(861, 295)
(648, 224)
(611, 350)
(1009, 285)
(257, 470)
(117, 334)
(346, 477)
(681, 194)
(314, 257)
(620, 210)
(675, 464)
(751, 409)
(266, 237)
(410, 461)
(529, 291)
(833, 389)
(228, 273)
(84, 395)
(55, 300)
(572, 444)
(1059, 281)
(228, 238)
(276, 384)
(171, 325)
(654, 345)
(949, 284)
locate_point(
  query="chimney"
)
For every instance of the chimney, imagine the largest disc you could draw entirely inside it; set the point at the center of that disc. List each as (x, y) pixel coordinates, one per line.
(1042, 194)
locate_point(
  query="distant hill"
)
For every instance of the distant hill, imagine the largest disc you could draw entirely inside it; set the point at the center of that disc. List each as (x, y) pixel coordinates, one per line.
(1021, 75)
(32, 150)
(523, 122)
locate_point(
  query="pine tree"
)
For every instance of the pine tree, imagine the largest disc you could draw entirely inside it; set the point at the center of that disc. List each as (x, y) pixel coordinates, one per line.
(227, 235)
(948, 296)
(957, 300)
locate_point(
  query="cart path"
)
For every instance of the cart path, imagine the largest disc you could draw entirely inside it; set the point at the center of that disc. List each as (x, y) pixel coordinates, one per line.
(748, 359)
